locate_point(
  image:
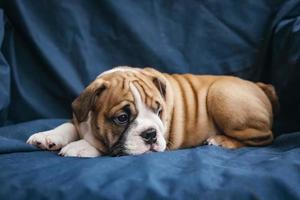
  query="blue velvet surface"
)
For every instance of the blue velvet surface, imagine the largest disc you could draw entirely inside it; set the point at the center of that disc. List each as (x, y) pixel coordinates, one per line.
(206, 172)
(50, 50)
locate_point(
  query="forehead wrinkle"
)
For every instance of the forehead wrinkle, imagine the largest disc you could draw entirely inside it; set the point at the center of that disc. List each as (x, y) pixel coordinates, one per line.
(136, 96)
(145, 93)
(126, 85)
(140, 105)
(145, 88)
(120, 82)
(114, 94)
(143, 79)
(141, 91)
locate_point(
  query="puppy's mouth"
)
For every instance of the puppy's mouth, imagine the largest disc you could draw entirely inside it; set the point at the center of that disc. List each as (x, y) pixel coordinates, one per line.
(152, 149)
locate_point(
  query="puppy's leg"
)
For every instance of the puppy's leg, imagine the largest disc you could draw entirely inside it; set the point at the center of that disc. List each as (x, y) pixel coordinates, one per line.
(224, 141)
(56, 138)
(80, 148)
(242, 111)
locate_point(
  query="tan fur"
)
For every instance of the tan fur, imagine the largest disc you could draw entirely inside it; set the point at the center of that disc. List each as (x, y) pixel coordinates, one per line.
(201, 107)
(195, 108)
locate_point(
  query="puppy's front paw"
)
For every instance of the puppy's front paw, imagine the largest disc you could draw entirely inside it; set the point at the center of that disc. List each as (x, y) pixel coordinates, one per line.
(46, 140)
(80, 148)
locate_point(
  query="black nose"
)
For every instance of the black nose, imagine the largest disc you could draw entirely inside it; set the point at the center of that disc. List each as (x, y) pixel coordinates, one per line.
(149, 135)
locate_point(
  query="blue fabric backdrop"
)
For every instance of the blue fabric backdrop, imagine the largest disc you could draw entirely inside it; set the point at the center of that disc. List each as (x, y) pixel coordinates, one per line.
(50, 50)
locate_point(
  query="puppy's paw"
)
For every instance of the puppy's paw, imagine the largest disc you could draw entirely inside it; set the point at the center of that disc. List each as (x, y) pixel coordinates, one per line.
(80, 148)
(212, 141)
(224, 141)
(47, 140)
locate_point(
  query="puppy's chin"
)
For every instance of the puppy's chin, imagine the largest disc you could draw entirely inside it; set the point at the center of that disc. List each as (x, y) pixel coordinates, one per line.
(139, 147)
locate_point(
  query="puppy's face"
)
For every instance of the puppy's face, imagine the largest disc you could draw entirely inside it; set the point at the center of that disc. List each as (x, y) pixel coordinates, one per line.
(127, 111)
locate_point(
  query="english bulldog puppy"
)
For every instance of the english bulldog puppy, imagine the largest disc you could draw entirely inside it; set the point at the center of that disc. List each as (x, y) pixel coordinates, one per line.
(131, 111)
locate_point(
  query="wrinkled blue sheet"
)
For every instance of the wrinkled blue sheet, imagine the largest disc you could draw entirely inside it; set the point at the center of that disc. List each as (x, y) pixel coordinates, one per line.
(50, 50)
(205, 172)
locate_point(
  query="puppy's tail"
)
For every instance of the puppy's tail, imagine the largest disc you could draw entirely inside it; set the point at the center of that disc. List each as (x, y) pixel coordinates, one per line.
(269, 90)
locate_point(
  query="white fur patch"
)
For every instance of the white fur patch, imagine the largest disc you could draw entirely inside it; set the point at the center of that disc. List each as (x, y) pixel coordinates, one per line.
(119, 69)
(146, 119)
(80, 148)
(54, 139)
(63, 137)
(212, 141)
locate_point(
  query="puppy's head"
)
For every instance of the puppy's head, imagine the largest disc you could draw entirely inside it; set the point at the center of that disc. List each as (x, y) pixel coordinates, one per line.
(125, 109)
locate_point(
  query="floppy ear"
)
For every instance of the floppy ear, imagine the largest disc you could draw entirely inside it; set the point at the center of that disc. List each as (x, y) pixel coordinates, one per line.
(161, 85)
(158, 80)
(85, 102)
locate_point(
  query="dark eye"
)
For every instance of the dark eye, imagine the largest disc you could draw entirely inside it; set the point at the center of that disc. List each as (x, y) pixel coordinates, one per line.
(121, 119)
(158, 110)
